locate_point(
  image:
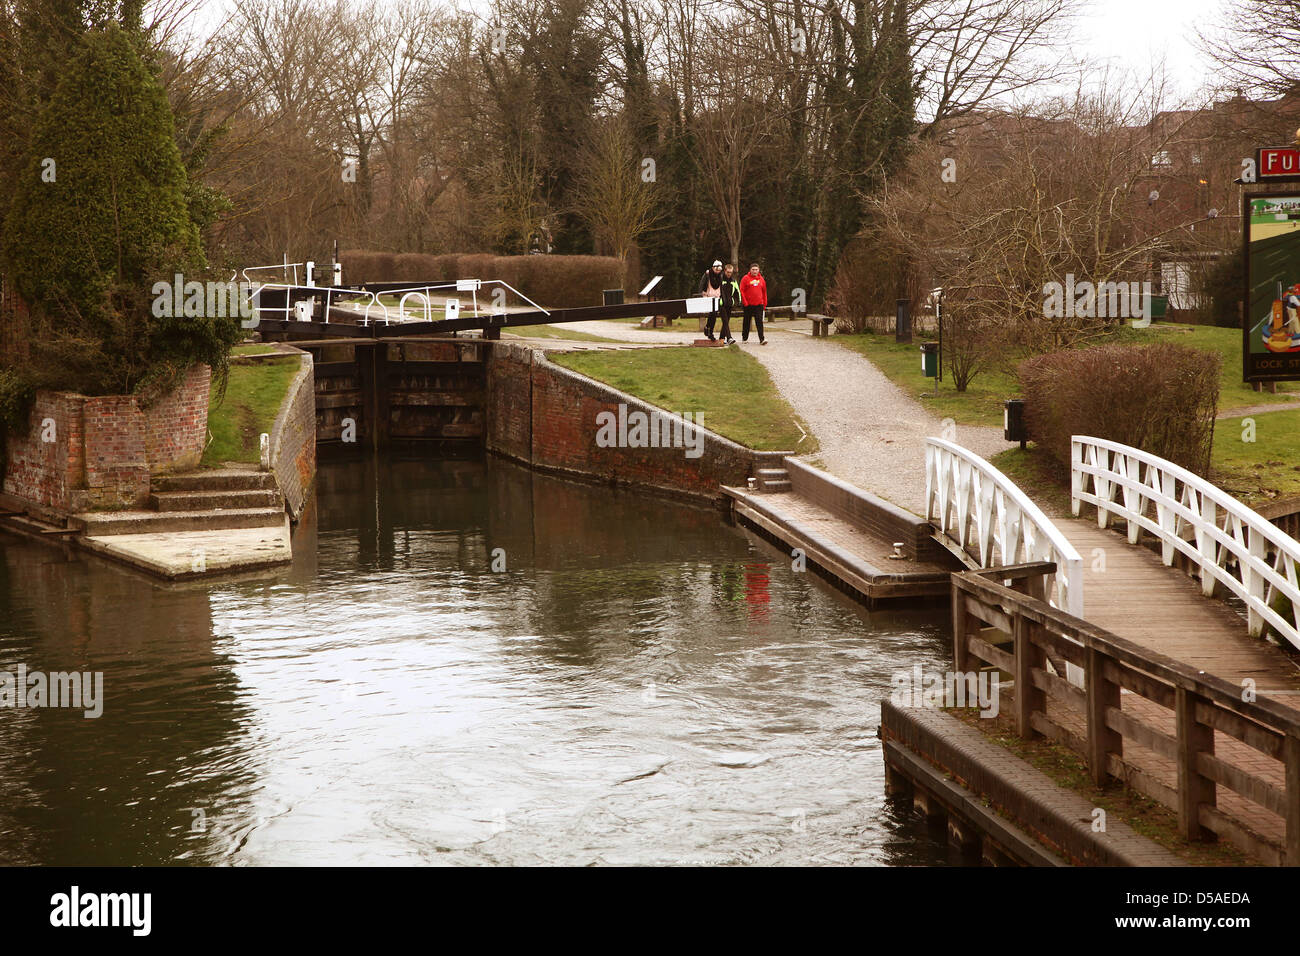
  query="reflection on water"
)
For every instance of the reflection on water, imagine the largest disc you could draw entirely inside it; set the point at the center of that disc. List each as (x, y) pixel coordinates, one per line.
(635, 683)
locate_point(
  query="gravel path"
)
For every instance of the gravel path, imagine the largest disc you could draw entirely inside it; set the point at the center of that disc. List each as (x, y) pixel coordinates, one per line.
(631, 333)
(871, 433)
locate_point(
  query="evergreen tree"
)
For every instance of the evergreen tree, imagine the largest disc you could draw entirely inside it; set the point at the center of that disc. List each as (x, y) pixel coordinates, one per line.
(100, 213)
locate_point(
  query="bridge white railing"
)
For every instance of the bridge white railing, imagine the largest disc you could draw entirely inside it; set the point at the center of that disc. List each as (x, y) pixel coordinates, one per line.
(1228, 542)
(975, 505)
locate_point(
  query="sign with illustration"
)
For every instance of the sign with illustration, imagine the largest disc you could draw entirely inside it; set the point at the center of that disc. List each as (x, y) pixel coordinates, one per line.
(1271, 241)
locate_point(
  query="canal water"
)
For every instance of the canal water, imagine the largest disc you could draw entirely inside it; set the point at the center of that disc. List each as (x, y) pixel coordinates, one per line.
(466, 664)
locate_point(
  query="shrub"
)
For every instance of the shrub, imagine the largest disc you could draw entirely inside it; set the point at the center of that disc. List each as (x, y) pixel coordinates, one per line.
(1159, 398)
(16, 397)
(872, 275)
(85, 245)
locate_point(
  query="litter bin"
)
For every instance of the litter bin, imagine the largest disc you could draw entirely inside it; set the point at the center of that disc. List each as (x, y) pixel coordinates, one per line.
(613, 296)
(1013, 421)
(930, 359)
(1159, 306)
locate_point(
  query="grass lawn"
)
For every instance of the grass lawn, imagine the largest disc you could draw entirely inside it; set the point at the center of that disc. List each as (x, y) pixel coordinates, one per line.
(731, 390)
(252, 400)
(1038, 475)
(981, 403)
(253, 348)
(1268, 467)
(555, 332)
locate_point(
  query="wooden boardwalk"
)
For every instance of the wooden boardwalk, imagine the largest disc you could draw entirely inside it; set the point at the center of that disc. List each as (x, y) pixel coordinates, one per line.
(1128, 591)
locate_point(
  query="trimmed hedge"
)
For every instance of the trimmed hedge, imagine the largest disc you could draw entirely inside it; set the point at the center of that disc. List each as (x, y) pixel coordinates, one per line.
(551, 281)
(1159, 398)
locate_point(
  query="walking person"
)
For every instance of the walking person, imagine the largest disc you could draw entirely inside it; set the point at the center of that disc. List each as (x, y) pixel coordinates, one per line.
(730, 299)
(753, 296)
(711, 288)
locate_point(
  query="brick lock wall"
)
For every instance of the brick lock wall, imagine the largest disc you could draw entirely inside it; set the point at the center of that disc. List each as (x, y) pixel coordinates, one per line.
(543, 414)
(47, 471)
(105, 448)
(509, 402)
(117, 460)
(293, 440)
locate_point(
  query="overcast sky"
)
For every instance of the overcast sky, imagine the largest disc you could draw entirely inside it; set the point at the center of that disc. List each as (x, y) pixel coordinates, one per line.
(1131, 33)
(1135, 33)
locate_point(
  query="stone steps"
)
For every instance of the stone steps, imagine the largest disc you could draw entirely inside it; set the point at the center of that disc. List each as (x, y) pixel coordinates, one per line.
(217, 479)
(163, 501)
(773, 480)
(156, 522)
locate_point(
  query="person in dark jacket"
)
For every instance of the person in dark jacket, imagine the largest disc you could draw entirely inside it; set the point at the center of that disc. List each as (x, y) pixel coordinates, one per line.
(729, 300)
(711, 288)
(753, 295)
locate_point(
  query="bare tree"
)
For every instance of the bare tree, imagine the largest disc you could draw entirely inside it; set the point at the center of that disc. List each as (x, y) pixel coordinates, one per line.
(1256, 45)
(615, 199)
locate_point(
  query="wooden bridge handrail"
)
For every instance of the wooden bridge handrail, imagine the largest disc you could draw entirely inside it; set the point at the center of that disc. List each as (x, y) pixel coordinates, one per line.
(1278, 716)
(1015, 572)
(1128, 482)
(1201, 704)
(961, 488)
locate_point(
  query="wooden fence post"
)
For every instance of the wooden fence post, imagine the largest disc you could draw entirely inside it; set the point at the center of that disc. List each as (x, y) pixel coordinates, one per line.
(959, 653)
(1194, 790)
(1102, 740)
(1028, 656)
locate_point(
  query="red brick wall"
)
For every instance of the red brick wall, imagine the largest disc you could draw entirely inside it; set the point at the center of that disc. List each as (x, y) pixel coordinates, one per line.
(47, 471)
(293, 440)
(543, 414)
(105, 448)
(176, 426)
(117, 464)
(509, 428)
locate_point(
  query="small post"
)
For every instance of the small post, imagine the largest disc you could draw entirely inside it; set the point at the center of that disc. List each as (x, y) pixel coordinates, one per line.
(1028, 656)
(959, 653)
(902, 321)
(1194, 790)
(1102, 694)
(938, 321)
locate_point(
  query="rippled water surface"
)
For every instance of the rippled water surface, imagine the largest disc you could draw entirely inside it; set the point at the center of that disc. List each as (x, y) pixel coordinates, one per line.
(637, 683)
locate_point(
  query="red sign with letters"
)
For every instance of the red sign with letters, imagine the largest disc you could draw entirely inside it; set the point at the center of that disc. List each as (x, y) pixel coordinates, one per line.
(1277, 163)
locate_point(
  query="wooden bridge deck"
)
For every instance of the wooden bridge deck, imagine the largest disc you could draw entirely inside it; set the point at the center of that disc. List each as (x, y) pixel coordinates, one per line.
(1128, 591)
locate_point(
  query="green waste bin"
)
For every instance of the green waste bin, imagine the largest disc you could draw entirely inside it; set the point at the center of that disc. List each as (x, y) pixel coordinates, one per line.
(1159, 306)
(930, 359)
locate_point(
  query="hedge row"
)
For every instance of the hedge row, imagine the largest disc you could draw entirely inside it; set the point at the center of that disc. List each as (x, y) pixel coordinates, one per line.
(1160, 398)
(551, 281)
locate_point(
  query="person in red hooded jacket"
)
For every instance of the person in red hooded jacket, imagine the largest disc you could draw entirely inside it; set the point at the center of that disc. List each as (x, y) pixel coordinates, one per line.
(753, 296)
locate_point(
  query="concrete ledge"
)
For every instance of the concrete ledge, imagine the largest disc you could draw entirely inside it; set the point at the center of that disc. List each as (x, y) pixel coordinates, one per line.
(884, 519)
(1054, 817)
(195, 554)
(1013, 842)
(852, 569)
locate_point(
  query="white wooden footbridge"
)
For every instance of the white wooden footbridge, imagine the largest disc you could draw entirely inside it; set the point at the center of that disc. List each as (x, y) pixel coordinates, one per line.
(1163, 652)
